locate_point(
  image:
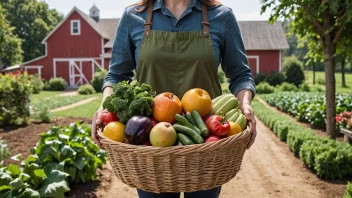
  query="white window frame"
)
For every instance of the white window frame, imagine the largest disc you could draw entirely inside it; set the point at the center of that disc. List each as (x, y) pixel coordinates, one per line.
(78, 26)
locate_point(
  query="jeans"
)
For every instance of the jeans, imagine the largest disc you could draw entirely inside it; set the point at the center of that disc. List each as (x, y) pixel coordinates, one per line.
(212, 193)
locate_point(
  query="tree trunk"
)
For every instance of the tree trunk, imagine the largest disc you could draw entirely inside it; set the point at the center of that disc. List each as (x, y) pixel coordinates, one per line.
(343, 61)
(313, 73)
(330, 90)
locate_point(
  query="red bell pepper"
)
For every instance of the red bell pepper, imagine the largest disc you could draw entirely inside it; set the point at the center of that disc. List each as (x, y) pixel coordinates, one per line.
(217, 125)
(212, 138)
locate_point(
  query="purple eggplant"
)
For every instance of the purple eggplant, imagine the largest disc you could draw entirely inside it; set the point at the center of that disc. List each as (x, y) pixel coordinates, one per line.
(138, 129)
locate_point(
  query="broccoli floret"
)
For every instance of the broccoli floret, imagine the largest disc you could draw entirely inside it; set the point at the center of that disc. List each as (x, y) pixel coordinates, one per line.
(123, 116)
(129, 94)
(121, 88)
(108, 104)
(146, 87)
(120, 104)
(139, 106)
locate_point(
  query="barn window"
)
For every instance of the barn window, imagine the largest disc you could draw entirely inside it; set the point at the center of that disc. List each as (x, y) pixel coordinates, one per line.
(75, 27)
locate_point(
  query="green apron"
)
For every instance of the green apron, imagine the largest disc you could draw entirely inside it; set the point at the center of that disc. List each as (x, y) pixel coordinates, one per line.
(178, 61)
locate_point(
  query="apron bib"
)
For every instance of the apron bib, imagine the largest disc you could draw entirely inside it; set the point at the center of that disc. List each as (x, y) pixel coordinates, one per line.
(178, 61)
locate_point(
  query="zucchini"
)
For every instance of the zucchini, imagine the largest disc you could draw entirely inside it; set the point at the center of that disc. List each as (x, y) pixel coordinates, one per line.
(232, 103)
(190, 118)
(220, 103)
(189, 132)
(234, 117)
(200, 123)
(183, 121)
(184, 139)
(230, 114)
(215, 100)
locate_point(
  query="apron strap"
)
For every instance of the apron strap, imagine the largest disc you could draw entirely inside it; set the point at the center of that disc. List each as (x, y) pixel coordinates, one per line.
(148, 23)
(205, 22)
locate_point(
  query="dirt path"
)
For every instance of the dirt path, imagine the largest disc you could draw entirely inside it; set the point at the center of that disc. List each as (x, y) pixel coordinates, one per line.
(268, 170)
(69, 93)
(82, 102)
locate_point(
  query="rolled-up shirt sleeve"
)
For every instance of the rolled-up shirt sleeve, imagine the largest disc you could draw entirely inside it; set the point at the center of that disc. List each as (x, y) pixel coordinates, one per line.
(234, 59)
(122, 61)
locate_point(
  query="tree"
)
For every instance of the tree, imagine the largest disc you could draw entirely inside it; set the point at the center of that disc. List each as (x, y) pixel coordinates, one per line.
(10, 44)
(324, 20)
(32, 21)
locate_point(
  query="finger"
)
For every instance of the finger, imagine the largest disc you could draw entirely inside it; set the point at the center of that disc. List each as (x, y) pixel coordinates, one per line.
(94, 131)
(248, 113)
(253, 136)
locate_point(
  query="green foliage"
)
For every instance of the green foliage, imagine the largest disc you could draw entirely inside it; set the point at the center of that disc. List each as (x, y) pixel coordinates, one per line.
(286, 87)
(63, 155)
(98, 80)
(130, 100)
(258, 78)
(293, 70)
(320, 81)
(328, 158)
(37, 83)
(4, 150)
(348, 193)
(304, 87)
(308, 107)
(14, 99)
(275, 78)
(10, 44)
(222, 76)
(264, 88)
(57, 84)
(86, 90)
(44, 114)
(32, 25)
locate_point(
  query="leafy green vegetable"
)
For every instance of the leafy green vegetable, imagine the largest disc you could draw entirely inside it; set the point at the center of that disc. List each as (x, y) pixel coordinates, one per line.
(130, 100)
(54, 185)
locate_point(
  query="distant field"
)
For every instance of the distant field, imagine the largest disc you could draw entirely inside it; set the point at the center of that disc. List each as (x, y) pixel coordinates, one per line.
(321, 76)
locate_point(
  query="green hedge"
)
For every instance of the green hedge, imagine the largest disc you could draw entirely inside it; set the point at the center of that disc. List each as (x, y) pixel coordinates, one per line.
(86, 90)
(348, 193)
(14, 99)
(330, 159)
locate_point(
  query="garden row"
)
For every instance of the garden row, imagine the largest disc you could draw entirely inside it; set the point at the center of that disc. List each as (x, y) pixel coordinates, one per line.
(308, 107)
(329, 159)
(63, 155)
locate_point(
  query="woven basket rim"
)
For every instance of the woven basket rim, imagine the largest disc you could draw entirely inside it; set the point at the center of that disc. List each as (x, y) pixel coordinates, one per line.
(181, 150)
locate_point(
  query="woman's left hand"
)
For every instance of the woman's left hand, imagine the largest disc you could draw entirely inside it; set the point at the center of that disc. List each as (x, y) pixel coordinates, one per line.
(249, 114)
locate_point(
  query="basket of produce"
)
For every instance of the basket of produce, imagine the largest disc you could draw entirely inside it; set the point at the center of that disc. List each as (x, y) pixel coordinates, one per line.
(164, 144)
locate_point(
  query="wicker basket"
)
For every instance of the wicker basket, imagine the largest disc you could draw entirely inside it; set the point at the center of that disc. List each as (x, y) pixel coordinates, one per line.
(178, 168)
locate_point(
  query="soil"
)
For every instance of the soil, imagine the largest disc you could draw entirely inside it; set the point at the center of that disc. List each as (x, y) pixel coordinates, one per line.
(269, 169)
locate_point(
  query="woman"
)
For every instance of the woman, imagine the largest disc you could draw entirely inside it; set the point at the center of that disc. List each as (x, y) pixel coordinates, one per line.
(176, 45)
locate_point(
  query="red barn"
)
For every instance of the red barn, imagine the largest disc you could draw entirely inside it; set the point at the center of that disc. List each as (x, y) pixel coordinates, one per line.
(82, 43)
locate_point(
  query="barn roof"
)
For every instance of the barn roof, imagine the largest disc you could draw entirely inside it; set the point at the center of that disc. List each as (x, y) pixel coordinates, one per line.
(259, 35)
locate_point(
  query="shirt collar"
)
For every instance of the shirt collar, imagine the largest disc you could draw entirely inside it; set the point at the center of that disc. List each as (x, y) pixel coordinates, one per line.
(194, 3)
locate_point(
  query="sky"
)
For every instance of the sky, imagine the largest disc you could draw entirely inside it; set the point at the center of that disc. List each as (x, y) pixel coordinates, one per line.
(245, 10)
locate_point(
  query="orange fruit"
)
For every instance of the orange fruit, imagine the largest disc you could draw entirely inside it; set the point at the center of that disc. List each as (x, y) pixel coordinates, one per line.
(197, 99)
(234, 128)
(115, 131)
(166, 106)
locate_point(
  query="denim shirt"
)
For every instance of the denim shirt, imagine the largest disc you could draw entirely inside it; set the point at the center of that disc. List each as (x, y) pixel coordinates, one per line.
(224, 31)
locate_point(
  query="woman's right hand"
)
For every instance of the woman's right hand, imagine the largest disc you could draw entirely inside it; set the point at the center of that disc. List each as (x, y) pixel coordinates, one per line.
(96, 122)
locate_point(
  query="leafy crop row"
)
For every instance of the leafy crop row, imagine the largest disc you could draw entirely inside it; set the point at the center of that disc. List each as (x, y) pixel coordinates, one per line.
(308, 107)
(330, 159)
(63, 155)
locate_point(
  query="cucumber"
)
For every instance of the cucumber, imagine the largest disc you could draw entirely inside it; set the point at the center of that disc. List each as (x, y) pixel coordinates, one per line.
(230, 113)
(234, 117)
(220, 103)
(184, 139)
(189, 132)
(190, 118)
(200, 123)
(183, 121)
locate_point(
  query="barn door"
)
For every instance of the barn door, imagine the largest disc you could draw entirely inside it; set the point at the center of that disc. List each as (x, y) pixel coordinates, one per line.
(253, 62)
(77, 77)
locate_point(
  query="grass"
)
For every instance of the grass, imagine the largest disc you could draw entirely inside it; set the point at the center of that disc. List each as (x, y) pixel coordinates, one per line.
(320, 76)
(84, 111)
(60, 101)
(45, 94)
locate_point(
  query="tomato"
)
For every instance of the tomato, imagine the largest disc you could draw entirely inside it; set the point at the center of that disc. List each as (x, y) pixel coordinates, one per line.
(212, 138)
(107, 117)
(154, 121)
